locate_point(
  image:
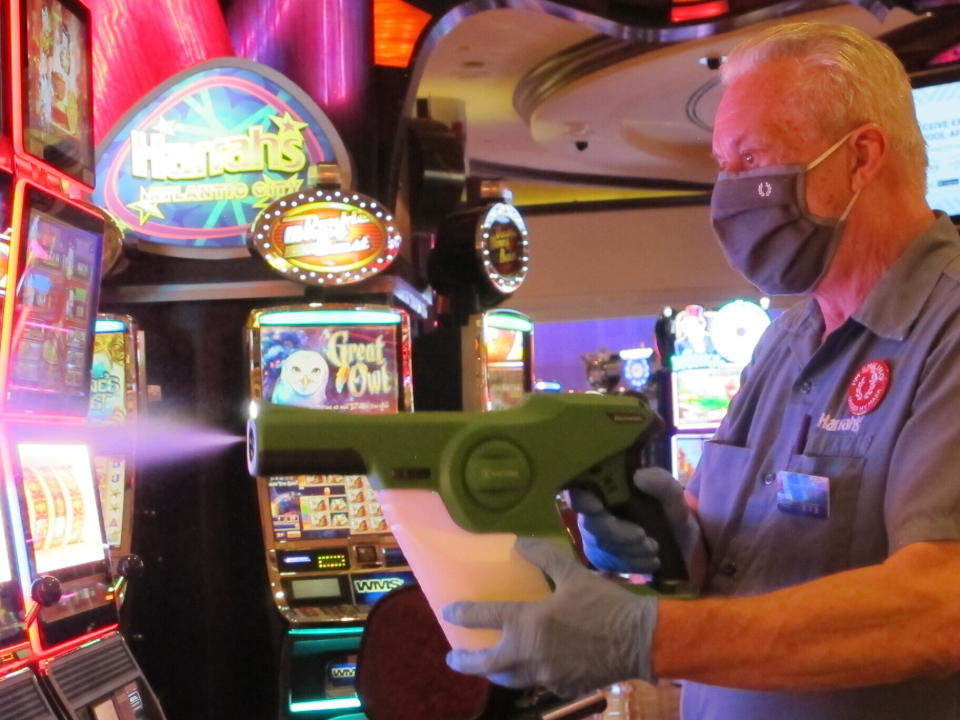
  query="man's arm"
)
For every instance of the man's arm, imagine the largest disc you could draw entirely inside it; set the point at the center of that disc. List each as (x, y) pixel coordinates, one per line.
(877, 624)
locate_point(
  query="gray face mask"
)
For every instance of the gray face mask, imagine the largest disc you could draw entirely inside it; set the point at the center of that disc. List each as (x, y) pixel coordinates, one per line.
(766, 231)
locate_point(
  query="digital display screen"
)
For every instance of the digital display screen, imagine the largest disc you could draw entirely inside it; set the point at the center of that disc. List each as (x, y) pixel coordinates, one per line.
(701, 396)
(938, 112)
(353, 368)
(62, 515)
(506, 367)
(687, 450)
(57, 297)
(313, 588)
(318, 507)
(57, 79)
(126, 703)
(109, 373)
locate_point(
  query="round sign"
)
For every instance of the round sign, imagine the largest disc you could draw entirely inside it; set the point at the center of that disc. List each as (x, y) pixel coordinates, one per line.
(326, 237)
(735, 329)
(868, 387)
(503, 248)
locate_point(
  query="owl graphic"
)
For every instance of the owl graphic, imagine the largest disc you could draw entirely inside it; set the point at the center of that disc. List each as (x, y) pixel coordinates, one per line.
(303, 380)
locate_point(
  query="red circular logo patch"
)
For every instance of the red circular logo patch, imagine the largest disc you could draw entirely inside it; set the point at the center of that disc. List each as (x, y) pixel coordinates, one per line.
(868, 387)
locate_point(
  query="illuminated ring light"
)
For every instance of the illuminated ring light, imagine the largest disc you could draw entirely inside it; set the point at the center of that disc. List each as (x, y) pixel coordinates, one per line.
(265, 238)
(735, 329)
(502, 214)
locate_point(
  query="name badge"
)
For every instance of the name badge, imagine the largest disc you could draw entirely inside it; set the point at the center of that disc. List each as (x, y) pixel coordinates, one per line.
(802, 494)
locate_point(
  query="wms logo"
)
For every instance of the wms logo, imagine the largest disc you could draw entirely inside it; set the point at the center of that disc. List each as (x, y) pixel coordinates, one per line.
(343, 672)
(376, 585)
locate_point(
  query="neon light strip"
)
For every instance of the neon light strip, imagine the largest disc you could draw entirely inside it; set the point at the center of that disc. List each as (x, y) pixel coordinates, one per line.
(508, 322)
(104, 325)
(331, 317)
(318, 705)
(327, 631)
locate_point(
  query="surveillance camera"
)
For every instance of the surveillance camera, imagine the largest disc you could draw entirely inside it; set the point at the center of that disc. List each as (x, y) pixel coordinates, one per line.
(581, 145)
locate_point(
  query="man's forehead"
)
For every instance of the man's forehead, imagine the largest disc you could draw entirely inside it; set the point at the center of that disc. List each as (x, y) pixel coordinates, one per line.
(757, 107)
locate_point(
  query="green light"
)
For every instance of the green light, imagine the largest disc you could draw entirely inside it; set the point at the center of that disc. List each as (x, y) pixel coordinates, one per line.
(328, 632)
(331, 317)
(508, 322)
(320, 705)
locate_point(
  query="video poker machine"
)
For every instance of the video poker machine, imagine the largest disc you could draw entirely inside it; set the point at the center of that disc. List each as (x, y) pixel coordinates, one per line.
(330, 554)
(45, 347)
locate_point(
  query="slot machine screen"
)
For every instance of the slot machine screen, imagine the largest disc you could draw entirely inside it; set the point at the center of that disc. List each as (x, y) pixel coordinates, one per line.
(701, 396)
(507, 349)
(58, 86)
(687, 450)
(353, 368)
(321, 507)
(936, 97)
(60, 497)
(57, 295)
(506, 367)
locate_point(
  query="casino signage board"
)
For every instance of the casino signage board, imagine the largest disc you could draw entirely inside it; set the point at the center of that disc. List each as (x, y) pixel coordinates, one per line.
(502, 247)
(326, 237)
(194, 162)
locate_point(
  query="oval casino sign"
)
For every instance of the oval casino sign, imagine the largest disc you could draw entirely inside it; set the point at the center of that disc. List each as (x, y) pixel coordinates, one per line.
(192, 164)
(326, 237)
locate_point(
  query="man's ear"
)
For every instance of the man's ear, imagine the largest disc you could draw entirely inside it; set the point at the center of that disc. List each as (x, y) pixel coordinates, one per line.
(870, 148)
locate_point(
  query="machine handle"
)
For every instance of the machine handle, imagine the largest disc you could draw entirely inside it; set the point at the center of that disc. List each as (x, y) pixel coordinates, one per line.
(647, 512)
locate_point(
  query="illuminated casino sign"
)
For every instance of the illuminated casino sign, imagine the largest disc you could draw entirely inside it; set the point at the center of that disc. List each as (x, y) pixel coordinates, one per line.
(326, 237)
(503, 247)
(195, 161)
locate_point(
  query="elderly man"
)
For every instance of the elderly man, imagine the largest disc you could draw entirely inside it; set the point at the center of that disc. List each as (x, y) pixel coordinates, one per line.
(824, 518)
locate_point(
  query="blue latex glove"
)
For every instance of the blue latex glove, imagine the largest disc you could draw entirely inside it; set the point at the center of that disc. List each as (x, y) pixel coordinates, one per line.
(620, 546)
(588, 634)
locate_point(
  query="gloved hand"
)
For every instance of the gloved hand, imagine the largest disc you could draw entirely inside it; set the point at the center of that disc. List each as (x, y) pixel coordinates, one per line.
(620, 546)
(588, 634)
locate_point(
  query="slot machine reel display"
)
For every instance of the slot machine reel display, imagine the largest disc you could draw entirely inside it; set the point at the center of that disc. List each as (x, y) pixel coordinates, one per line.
(330, 553)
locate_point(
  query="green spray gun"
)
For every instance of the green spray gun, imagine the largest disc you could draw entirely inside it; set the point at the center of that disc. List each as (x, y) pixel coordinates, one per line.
(486, 473)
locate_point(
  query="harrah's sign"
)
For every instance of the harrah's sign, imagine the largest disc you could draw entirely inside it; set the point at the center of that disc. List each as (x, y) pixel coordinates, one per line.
(198, 158)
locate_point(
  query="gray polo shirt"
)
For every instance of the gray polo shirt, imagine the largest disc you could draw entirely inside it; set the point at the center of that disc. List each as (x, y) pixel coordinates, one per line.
(876, 409)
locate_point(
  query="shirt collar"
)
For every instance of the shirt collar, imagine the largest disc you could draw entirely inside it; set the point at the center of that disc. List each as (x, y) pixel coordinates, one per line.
(897, 299)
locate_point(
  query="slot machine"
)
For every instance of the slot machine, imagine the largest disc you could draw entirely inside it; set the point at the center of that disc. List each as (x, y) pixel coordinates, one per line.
(478, 357)
(708, 350)
(329, 550)
(330, 553)
(46, 345)
(117, 394)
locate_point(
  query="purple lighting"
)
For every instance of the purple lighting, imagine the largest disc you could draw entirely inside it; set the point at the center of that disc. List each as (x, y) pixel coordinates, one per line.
(324, 46)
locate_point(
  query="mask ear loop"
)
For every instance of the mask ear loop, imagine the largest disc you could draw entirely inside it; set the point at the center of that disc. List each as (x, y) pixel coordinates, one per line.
(829, 151)
(823, 156)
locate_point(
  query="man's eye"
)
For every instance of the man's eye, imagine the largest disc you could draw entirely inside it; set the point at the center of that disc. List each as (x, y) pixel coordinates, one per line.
(749, 159)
